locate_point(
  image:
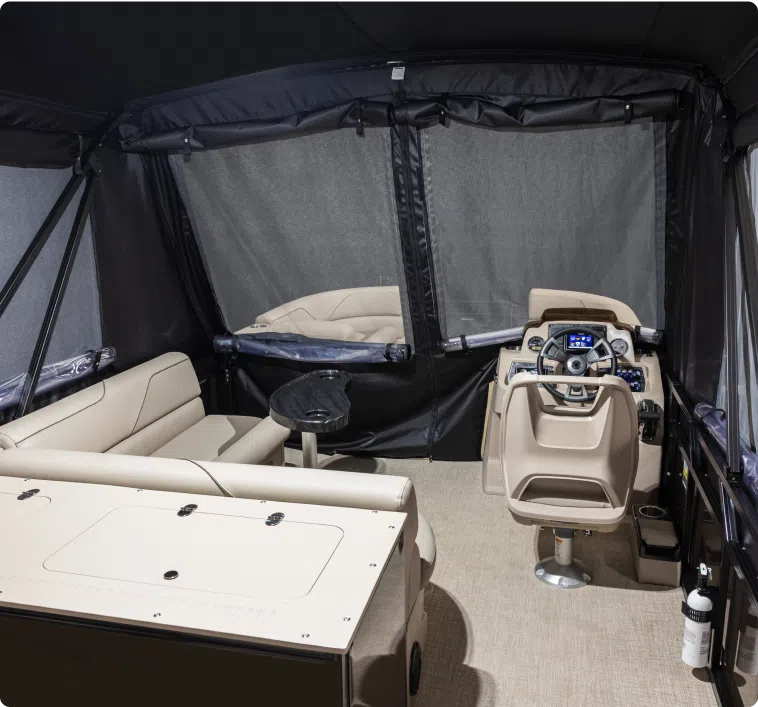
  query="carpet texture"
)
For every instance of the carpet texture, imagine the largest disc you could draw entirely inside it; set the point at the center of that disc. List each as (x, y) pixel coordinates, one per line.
(499, 637)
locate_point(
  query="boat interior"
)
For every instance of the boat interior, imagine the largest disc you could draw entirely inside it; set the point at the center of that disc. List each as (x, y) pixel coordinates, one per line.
(377, 369)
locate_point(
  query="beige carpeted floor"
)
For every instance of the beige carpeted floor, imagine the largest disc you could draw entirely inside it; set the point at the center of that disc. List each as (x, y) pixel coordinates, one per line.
(499, 637)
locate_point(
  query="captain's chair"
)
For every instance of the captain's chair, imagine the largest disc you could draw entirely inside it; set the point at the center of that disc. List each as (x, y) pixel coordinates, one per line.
(568, 467)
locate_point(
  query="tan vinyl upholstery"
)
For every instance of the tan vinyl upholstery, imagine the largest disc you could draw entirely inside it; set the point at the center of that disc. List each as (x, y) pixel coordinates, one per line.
(371, 314)
(314, 486)
(569, 466)
(151, 409)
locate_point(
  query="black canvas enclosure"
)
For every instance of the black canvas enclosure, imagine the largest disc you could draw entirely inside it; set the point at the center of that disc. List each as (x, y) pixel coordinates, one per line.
(443, 174)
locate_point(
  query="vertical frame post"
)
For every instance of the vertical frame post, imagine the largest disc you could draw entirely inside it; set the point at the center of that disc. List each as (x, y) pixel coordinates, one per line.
(732, 405)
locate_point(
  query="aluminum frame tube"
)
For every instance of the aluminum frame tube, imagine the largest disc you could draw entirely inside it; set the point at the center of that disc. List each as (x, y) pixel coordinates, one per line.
(56, 299)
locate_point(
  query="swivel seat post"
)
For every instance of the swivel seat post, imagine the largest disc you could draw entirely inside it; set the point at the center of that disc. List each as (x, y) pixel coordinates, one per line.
(310, 450)
(562, 570)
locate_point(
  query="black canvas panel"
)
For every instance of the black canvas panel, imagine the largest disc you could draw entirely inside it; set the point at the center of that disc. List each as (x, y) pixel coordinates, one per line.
(694, 332)
(182, 246)
(102, 55)
(394, 412)
(277, 104)
(145, 310)
(31, 148)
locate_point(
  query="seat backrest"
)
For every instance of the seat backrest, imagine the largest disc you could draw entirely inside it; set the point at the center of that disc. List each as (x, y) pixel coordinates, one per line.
(566, 464)
(155, 400)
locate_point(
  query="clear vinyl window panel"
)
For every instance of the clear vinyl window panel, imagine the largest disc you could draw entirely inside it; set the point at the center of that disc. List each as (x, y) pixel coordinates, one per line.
(300, 236)
(579, 209)
(26, 197)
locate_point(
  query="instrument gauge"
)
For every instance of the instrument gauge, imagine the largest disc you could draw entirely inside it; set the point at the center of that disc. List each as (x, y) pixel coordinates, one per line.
(535, 344)
(619, 346)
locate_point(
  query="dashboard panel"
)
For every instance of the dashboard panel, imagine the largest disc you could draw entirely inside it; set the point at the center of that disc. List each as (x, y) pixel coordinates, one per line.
(633, 375)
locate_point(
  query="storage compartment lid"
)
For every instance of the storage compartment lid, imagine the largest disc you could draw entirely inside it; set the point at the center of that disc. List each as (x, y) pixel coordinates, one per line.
(204, 552)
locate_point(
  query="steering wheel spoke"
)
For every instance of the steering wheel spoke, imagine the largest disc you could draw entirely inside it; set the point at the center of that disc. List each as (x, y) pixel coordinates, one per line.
(554, 351)
(594, 355)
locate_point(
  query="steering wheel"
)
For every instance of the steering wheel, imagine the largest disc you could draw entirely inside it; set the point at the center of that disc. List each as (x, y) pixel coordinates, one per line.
(575, 363)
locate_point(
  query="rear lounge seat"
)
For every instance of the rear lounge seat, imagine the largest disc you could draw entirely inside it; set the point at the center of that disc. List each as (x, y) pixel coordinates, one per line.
(370, 314)
(151, 410)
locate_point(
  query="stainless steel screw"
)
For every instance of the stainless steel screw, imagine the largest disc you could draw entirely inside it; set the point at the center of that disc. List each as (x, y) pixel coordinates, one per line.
(306, 635)
(155, 616)
(347, 618)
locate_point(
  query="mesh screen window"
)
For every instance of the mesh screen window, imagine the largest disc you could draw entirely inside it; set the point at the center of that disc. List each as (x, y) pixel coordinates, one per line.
(301, 218)
(579, 209)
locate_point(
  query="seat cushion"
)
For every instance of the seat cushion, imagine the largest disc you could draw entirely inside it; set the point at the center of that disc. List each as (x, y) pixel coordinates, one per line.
(208, 439)
(427, 547)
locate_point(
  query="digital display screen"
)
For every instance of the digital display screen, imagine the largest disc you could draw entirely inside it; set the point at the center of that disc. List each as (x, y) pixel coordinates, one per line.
(580, 341)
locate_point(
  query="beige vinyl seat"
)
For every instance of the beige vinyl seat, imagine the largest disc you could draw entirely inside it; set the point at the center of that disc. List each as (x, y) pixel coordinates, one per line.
(314, 486)
(568, 467)
(370, 314)
(153, 409)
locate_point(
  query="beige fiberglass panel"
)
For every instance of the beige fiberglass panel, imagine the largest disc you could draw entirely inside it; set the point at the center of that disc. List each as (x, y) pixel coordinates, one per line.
(211, 553)
(540, 300)
(647, 480)
(13, 510)
(567, 464)
(314, 621)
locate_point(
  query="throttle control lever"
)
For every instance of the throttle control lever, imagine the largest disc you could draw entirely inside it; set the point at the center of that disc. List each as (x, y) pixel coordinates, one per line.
(648, 417)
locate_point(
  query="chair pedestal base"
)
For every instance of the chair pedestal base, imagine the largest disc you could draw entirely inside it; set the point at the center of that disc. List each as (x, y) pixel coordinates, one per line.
(562, 570)
(570, 576)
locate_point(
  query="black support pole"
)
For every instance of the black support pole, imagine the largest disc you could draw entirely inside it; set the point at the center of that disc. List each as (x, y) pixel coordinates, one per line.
(56, 299)
(39, 240)
(732, 404)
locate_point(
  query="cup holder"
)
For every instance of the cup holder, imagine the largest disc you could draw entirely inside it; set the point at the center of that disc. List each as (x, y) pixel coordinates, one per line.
(329, 375)
(317, 414)
(652, 512)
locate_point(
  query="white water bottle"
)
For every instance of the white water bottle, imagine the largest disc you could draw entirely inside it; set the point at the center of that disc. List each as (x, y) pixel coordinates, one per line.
(696, 645)
(747, 655)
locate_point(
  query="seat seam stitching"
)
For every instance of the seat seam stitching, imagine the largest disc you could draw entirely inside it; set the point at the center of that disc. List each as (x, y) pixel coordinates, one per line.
(147, 389)
(338, 305)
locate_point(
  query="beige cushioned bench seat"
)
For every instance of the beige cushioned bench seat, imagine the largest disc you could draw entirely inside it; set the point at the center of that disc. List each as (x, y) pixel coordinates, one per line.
(371, 314)
(153, 409)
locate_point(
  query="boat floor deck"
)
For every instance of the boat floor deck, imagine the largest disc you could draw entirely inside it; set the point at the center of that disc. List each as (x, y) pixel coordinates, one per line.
(499, 637)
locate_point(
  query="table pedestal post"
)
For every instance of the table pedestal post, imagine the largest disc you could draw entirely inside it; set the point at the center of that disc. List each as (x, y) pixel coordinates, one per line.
(310, 450)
